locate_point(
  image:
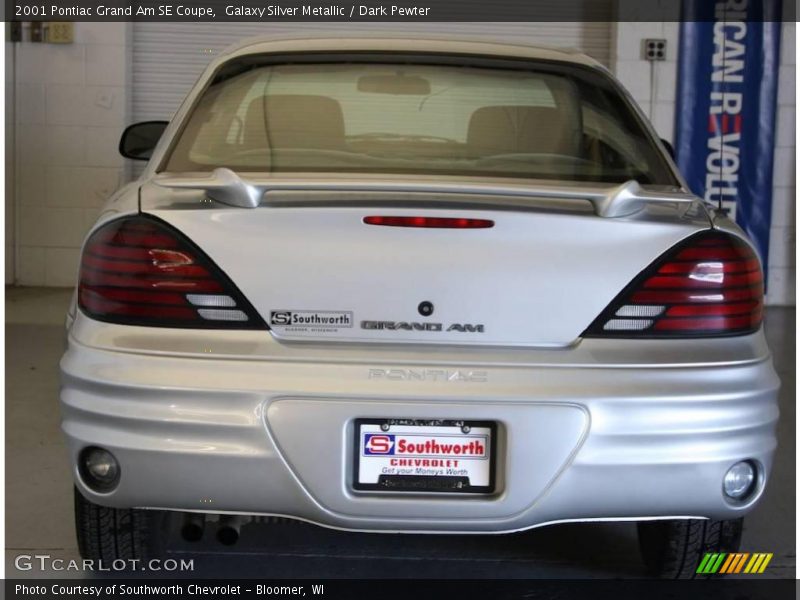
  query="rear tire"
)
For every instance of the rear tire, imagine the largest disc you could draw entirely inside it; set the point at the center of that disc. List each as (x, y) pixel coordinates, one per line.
(109, 534)
(674, 549)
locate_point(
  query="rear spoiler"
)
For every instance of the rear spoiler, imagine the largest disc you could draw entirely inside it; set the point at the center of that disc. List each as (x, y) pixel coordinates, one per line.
(225, 186)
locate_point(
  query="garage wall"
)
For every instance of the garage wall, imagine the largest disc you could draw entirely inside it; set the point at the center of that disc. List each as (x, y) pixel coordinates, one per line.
(783, 233)
(71, 105)
(653, 85)
(162, 83)
(10, 181)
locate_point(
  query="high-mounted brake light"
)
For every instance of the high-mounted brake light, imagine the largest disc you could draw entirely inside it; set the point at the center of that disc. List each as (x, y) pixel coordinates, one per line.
(140, 271)
(430, 222)
(709, 285)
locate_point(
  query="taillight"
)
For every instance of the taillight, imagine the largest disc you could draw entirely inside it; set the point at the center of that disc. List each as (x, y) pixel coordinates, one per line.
(140, 271)
(709, 285)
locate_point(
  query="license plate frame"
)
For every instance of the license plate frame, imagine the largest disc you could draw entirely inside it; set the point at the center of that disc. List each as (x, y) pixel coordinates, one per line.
(437, 484)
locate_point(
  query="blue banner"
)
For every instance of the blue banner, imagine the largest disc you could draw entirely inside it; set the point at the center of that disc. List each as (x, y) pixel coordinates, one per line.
(725, 114)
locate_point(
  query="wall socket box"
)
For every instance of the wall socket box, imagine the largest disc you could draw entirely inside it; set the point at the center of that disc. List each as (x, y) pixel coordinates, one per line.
(654, 49)
(60, 32)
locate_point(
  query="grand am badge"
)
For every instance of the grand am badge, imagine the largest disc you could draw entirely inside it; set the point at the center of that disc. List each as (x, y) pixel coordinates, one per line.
(310, 320)
(414, 326)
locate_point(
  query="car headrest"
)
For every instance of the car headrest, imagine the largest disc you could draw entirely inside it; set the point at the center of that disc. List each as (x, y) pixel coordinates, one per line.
(521, 129)
(294, 121)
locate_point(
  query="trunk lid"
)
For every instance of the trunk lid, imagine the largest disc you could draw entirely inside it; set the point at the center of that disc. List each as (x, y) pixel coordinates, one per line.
(315, 271)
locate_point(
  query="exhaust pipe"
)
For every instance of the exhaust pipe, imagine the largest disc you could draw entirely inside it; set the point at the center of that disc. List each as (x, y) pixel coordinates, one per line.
(228, 530)
(193, 527)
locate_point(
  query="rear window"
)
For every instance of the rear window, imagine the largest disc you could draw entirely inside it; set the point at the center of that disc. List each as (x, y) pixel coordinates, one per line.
(384, 118)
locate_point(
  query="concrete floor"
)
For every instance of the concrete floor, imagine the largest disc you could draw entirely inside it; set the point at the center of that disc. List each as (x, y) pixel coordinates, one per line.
(39, 493)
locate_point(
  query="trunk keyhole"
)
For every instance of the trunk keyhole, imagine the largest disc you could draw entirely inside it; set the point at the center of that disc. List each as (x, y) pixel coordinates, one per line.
(425, 308)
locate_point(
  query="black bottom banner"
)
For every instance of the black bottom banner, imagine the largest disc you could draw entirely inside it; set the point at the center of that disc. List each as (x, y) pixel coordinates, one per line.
(349, 589)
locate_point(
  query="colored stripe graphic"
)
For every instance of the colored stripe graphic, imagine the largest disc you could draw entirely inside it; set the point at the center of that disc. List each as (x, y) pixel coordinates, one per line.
(727, 564)
(724, 563)
(758, 563)
(710, 563)
(734, 561)
(740, 564)
(765, 563)
(701, 568)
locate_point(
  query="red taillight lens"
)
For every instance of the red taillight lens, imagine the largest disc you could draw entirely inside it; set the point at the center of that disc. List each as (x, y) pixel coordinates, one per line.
(140, 271)
(709, 285)
(430, 222)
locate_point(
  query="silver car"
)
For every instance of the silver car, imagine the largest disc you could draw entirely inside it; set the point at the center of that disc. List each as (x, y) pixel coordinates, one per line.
(414, 285)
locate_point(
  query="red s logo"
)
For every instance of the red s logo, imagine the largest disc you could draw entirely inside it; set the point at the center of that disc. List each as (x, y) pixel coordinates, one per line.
(379, 444)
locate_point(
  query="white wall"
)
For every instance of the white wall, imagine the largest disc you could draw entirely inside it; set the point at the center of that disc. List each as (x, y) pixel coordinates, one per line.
(10, 181)
(657, 94)
(783, 235)
(70, 109)
(652, 84)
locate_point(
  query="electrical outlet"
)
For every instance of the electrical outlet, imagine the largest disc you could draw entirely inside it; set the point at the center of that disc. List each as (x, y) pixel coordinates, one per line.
(654, 49)
(60, 32)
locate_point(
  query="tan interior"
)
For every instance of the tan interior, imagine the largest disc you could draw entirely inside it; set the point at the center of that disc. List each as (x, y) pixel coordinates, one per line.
(520, 129)
(294, 121)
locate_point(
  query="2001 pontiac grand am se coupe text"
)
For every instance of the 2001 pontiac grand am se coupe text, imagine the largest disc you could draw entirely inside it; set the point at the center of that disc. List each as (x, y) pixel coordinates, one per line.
(412, 285)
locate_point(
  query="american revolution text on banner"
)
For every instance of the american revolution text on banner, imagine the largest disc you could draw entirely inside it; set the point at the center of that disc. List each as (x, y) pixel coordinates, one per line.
(725, 118)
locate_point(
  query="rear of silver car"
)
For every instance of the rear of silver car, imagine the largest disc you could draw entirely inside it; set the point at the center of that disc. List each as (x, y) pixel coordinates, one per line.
(431, 352)
(236, 422)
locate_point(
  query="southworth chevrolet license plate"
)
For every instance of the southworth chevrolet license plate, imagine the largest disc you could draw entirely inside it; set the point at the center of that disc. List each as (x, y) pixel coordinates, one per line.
(410, 455)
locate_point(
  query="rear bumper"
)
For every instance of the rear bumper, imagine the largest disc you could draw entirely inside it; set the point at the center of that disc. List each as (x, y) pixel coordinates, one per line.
(576, 441)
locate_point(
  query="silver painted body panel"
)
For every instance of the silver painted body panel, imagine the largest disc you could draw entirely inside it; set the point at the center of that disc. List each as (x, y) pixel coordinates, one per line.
(227, 187)
(261, 422)
(239, 422)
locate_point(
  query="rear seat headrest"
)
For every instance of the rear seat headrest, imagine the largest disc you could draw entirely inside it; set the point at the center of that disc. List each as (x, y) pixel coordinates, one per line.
(294, 121)
(521, 129)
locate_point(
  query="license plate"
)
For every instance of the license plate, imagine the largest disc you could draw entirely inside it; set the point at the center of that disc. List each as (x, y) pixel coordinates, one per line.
(411, 455)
